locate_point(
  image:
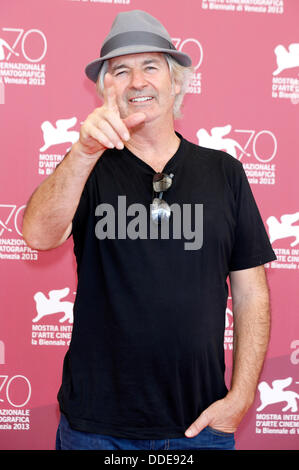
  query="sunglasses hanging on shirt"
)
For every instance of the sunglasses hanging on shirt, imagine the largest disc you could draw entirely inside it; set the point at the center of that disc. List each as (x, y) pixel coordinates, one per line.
(160, 210)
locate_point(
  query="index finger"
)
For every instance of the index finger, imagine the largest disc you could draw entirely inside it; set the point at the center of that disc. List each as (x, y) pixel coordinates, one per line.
(109, 91)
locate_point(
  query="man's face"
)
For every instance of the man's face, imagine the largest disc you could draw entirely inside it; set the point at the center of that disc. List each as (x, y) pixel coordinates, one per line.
(143, 84)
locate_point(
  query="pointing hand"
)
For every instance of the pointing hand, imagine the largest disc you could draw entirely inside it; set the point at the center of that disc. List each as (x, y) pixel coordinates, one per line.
(104, 128)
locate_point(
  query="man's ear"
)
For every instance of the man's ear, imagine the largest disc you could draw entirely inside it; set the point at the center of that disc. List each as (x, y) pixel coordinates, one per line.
(177, 88)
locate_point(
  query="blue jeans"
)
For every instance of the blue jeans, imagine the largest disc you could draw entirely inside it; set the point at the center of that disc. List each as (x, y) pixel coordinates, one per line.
(70, 439)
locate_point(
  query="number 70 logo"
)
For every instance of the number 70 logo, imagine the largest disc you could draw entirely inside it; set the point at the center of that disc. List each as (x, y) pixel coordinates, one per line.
(17, 382)
(21, 38)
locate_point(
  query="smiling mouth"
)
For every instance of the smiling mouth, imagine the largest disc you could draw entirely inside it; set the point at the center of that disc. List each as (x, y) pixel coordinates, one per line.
(141, 99)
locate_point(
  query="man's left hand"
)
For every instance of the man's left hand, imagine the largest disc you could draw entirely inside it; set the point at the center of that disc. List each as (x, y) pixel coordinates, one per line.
(223, 415)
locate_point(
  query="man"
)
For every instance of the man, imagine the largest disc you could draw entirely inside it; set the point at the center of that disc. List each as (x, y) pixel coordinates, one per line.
(145, 368)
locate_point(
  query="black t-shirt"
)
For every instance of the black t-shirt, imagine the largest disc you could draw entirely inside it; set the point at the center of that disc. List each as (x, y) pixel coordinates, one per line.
(146, 355)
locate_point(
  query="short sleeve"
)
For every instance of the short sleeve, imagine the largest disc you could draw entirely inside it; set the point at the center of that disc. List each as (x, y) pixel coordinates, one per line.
(252, 246)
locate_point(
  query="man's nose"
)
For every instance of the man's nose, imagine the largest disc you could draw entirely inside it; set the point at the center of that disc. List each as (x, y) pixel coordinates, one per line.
(137, 79)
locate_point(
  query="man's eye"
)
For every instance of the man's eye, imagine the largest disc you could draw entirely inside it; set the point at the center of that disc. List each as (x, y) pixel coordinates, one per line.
(120, 72)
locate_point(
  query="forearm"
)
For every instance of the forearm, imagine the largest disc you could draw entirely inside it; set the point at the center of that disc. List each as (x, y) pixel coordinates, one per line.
(251, 338)
(52, 206)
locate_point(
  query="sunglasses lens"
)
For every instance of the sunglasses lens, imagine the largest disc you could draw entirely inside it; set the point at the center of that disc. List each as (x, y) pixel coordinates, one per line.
(161, 182)
(159, 210)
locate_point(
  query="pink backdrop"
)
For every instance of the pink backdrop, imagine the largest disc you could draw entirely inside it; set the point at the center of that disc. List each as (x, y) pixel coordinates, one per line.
(244, 98)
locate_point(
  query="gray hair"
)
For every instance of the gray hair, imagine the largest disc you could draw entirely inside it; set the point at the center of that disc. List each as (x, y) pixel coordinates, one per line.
(179, 75)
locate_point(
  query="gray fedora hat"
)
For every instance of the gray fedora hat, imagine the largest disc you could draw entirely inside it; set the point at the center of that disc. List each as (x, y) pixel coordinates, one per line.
(133, 32)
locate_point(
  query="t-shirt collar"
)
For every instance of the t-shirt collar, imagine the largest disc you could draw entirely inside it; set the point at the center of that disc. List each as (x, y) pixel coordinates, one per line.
(170, 166)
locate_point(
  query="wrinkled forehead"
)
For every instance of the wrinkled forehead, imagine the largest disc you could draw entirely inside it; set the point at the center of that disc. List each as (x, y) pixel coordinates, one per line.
(133, 60)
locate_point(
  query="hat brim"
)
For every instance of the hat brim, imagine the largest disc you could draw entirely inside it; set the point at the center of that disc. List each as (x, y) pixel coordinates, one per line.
(93, 68)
